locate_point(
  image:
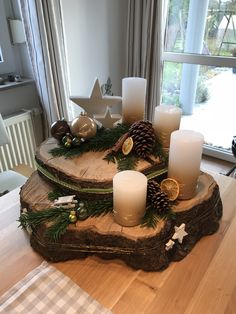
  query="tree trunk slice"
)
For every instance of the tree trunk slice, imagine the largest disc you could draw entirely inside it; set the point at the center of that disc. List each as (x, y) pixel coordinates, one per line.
(140, 248)
(88, 173)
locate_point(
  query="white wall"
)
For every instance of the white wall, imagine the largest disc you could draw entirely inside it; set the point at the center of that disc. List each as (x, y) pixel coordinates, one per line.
(95, 34)
(9, 64)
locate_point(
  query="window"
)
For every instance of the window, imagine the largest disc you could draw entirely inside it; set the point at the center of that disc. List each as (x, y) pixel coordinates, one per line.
(200, 69)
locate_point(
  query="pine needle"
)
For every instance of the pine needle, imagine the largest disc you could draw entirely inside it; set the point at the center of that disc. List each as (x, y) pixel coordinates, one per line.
(100, 207)
(53, 195)
(150, 219)
(128, 162)
(58, 228)
(103, 140)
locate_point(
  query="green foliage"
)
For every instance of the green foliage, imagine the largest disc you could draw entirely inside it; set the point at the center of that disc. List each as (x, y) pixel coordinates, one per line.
(106, 139)
(53, 195)
(127, 162)
(151, 218)
(171, 83)
(100, 207)
(57, 218)
(202, 93)
(58, 228)
(103, 140)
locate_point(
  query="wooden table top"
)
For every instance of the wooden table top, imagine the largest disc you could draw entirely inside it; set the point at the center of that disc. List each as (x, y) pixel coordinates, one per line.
(203, 282)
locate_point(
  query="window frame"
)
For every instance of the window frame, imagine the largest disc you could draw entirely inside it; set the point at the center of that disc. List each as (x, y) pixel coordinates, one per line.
(200, 59)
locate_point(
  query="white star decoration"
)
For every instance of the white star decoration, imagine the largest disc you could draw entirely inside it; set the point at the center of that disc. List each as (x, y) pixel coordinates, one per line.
(96, 103)
(180, 233)
(108, 119)
(169, 245)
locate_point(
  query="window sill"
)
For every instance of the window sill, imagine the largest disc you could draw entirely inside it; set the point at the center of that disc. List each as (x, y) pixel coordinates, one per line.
(9, 85)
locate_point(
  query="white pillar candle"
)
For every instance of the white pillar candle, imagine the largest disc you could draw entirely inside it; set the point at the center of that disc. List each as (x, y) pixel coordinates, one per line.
(166, 120)
(133, 99)
(129, 197)
(184, 160)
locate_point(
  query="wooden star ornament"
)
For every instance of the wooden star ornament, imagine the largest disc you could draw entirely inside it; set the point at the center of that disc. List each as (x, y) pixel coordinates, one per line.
(169, 245)
(96, 103)
(180, 233)
(108, 119)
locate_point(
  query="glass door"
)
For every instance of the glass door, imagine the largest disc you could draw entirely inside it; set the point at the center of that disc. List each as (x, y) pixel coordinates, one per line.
(199, 73)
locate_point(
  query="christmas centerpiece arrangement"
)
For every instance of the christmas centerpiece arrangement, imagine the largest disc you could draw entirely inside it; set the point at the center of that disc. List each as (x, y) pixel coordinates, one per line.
(120, 186)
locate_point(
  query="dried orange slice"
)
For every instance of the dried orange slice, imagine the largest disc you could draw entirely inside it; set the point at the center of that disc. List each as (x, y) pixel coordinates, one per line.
(127, 146)
(171, 188)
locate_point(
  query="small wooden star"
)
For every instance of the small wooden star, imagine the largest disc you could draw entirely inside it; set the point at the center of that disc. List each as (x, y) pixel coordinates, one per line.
(96, 103)
(108, 119)
(180, 233)
(169, 245)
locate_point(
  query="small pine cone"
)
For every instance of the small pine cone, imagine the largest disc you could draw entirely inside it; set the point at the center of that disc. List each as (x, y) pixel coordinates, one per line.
(143, 136)
(152, 188)
(160, 202)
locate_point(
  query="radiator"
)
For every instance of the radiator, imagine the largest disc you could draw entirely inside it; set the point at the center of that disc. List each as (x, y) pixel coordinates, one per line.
(21, 149)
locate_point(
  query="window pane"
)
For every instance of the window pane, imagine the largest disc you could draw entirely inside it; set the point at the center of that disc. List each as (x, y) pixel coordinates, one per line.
(195, 27)
(214, 107)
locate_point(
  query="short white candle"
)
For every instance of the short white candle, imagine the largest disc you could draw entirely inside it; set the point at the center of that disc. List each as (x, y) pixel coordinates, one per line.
(166, 120)
(133, 99)
(129, 197)
(184, 160)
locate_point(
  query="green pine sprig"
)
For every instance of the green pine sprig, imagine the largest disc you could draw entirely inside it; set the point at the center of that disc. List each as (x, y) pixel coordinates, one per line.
(124, 162)
(103, 140)
(159, 152)
(99, 207)
(58, 228)
(58, 218)
(53, 195)
(34, 219)
(151, 217)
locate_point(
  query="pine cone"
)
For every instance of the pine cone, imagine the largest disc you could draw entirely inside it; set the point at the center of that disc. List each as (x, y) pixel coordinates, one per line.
(143, 136)
(160, 202)
(152, 188)
(158, 199)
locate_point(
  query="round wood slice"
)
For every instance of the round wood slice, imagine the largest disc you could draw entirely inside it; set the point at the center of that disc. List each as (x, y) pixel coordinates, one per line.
(88, 173)
(141, 248)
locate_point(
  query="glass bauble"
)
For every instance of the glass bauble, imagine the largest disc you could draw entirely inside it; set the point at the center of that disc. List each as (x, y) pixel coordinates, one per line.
(76, 141)
(67, 140)
(83, 127)
(59, 128)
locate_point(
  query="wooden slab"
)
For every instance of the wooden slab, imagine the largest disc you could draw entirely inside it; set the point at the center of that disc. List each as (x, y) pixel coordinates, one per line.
(87, 171)
(139, 247)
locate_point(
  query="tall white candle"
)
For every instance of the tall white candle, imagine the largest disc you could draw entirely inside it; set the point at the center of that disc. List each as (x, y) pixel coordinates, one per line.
(129, 197)
(133, 99)
(184, 160)
(166, 120)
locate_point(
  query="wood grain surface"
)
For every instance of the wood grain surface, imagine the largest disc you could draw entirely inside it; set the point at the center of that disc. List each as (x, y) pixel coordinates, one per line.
(203, 282)
(88, 168)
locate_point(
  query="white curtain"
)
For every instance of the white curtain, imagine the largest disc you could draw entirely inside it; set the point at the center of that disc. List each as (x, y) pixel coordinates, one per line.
(44, 32)
(145, 47)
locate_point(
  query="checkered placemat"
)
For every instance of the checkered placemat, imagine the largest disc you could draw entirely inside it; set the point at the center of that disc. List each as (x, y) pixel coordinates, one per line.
(46, 290)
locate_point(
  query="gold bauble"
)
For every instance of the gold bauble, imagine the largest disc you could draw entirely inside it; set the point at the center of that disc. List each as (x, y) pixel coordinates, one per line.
(83, 126)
